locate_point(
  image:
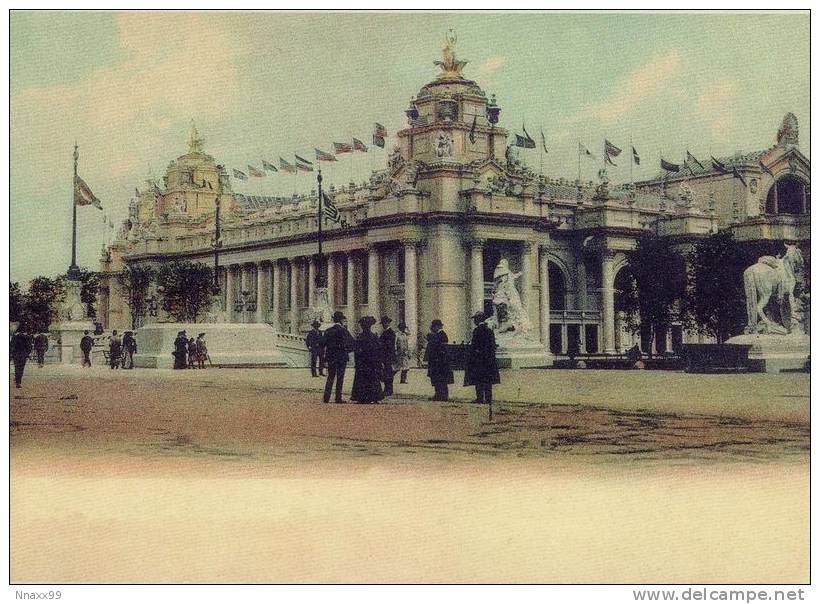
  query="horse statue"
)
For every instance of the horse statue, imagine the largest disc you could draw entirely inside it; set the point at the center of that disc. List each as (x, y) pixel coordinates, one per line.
(769, 276)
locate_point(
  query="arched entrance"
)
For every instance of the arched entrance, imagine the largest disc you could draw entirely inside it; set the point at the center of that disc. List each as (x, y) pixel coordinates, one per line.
(789, 195)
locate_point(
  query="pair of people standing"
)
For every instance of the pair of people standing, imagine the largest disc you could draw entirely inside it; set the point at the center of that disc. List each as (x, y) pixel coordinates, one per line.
(379, 359)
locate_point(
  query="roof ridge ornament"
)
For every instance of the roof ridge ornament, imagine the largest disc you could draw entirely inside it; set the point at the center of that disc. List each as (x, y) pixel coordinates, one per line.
(788, 132)
(451, 67)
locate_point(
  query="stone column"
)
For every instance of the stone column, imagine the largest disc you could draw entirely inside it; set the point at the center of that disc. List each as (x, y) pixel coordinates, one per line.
(351, 290)
(608, 305)
(261, 291)
(312, 266)
(544, 282)
(476, 275)
(229, 293)
(581, 278)
(564, 339)
(526, 276)
(294, 306)
(331, 282)
(411, 310)
(373, 281)
(276, 280)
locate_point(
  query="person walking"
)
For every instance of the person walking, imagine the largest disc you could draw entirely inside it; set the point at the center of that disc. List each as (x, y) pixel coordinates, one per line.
(387, 341)
(336, 346)
(86, 345)
(129, 348)
(367, 381)
(313, 341)
(481, 370)
(114, 350)
(438, 362)
(191, 353)
(201, 350)
(40, 347)
(19, 349)
(180, 353)
(403, 353)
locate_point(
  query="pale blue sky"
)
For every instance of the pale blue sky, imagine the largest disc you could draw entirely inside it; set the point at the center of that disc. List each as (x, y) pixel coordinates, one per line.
(126, 85)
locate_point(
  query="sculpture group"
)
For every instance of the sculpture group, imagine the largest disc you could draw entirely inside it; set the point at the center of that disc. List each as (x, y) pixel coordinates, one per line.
(773, 276)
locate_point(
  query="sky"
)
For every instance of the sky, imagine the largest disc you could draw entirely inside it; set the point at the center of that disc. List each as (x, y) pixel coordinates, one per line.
(126, 85)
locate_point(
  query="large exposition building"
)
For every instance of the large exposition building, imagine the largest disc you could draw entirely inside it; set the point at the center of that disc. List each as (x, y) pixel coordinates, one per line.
(425, 235)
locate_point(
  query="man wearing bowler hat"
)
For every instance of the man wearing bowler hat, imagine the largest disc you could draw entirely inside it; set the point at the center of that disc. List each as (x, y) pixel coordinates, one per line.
(336, 344)
(387, 341)
(482, 368)
(313, 341)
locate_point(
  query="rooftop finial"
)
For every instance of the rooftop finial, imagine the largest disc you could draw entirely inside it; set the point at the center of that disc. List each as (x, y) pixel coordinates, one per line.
(450, 66)
(194, 141)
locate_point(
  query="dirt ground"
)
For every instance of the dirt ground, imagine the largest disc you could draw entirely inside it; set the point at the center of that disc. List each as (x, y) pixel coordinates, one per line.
(245, 476)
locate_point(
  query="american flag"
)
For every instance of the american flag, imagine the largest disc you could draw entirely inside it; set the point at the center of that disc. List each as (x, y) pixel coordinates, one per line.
(359, 145)
(286, 167)
(342, 148)
(324, 156)
(379, 130)
(329, 209)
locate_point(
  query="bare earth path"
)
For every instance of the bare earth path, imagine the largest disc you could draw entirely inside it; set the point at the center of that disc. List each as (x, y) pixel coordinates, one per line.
(243, 475)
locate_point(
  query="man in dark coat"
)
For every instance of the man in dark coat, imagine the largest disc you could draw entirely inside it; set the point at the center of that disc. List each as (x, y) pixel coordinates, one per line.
(438, 362)
(41, 347)
(367, 386)
(313, 341)
(482, 368)
(336, 346)
(387, 341)
(19, 349)
(86, 344)
(114, 349)
(181, 351)
(129, 347)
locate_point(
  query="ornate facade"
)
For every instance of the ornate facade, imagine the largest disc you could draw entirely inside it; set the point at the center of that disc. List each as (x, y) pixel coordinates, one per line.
(425, 234)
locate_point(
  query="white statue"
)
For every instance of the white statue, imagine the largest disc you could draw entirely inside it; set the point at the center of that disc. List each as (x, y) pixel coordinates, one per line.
(509, 314)
(444, 145)
(776, 276)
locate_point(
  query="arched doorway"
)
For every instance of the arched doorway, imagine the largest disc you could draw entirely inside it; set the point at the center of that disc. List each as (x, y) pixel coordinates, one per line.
(558, 302)
(789, 195)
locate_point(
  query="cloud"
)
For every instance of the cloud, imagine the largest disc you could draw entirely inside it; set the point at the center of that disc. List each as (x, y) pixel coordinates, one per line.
(485, 70)
(646, 82)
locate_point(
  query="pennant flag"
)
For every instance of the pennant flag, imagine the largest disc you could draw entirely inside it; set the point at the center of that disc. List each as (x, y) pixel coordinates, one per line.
(544, 142)
(739, 176)
(329, 209)
(136, 192)
(692, 159)
(669, 166)
(323, 156)
(255, 172)
(239, 175)
(269, 166)
(342, 148)
(303, 164)
(584, 151)
(719, 166)
(611, 150)
(472, 130)
(286, 167)
(359, 145)
(635, 157)
(83, 195)
(766, 169)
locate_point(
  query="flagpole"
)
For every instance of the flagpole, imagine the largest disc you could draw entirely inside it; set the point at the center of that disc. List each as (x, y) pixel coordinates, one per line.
(73, 269)
(320, 273)
(631, 161)
(579, 170)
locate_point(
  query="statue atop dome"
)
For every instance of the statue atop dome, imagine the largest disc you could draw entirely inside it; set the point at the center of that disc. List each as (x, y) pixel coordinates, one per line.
(451, 67)
(194, 141)
(787, 134)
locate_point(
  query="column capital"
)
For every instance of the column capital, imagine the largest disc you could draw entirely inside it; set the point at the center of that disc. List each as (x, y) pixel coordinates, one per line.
(473, 241)
(527, 246)
(410, 241)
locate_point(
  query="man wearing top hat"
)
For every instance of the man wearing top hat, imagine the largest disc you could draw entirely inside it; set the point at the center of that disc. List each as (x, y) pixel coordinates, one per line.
(387, 341)
(336, 343)
(313, 341)
(481, 369)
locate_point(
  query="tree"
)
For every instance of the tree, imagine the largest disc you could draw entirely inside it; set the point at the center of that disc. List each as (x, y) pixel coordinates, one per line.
(186, 289)
(88, 291)
(136, 280)
(660, 279)
(40, 303)
(16, 301)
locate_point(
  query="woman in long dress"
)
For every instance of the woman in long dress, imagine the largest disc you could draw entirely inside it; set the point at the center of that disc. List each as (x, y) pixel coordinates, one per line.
(367, 385)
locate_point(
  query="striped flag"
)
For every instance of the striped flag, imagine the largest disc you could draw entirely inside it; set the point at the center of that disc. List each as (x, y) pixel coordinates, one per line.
(269, 166)
(303, 164)
(359, 145)
(239, 175)
(286, 167)
(255, 172)
(379, 134)
(342, 148)
(610, 151)
(83, 196)
(324, 156)
(329, 209)
(692, 159)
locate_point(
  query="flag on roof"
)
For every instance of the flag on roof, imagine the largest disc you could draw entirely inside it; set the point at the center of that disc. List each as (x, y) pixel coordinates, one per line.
(255, 172)
(83, 196)
(379, 130)
(582, 150)
(329, 209)
(719, 166)
(342, 148)
(359, 145)
(611, 149)
(635, 157)
(472, 130)
(669, 166)
(378, 141)
(269, 166)
(286, 167)
(324, 156)
(766, 168)
(303, 164)
(738, 175)
(692, 159)
(239, 175)
(525, 141)
(544, 142)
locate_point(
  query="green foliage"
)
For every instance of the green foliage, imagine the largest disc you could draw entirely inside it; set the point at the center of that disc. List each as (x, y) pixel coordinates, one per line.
(660, 278)
(88, 291)
(16, 301)
(136, 281)
(40, 303)
(186, 289)
(715, 298)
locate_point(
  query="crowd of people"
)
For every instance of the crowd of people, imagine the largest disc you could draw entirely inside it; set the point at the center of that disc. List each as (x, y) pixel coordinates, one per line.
(190, 353)
(378, 358)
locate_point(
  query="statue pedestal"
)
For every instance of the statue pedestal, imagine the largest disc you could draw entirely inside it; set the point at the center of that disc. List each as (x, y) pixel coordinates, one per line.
(68, 334)
(516, 351)
(771, 353)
